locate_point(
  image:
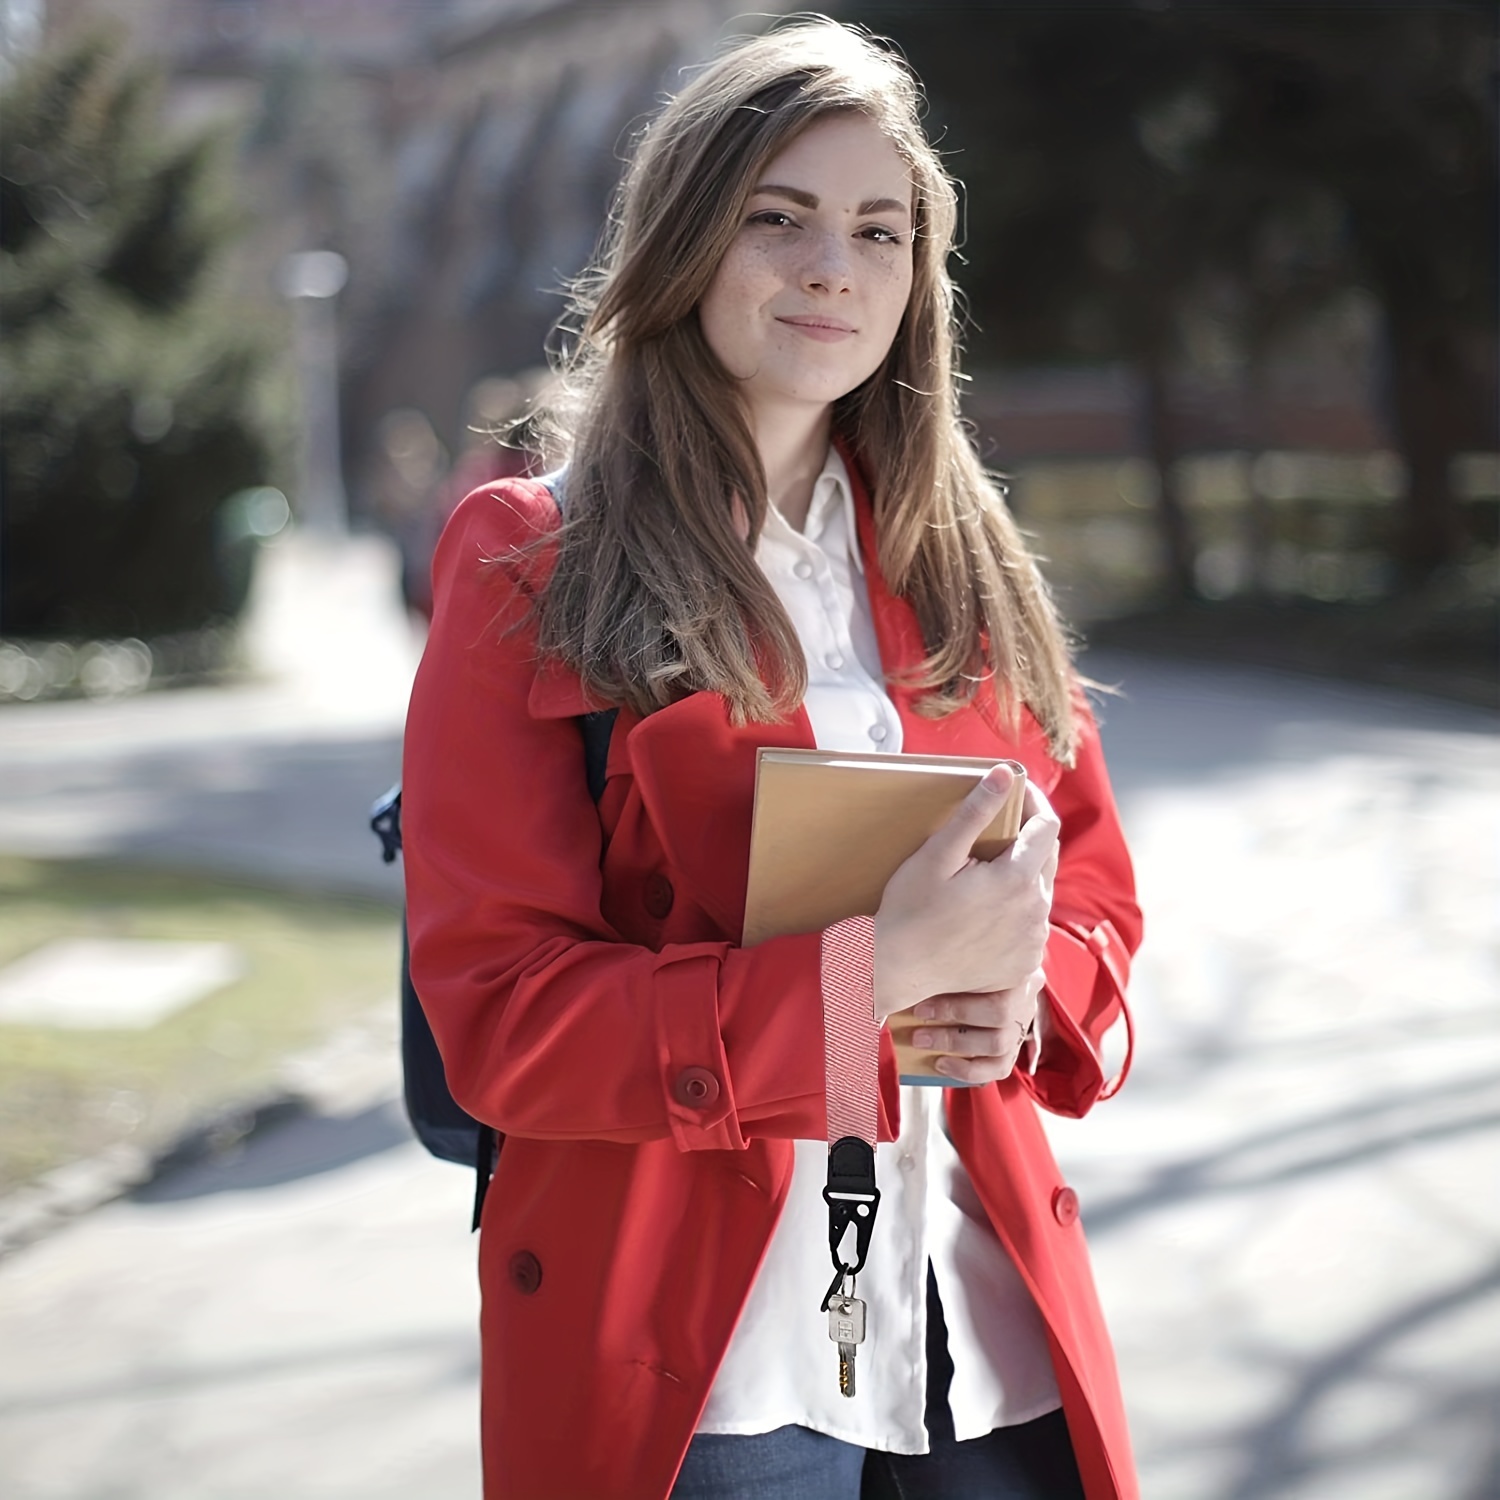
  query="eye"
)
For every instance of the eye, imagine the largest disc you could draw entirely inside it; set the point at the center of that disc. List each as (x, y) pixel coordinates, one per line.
(880, 235)
(772, 218)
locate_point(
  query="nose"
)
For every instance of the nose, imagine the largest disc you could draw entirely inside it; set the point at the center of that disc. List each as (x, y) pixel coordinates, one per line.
(829, 267)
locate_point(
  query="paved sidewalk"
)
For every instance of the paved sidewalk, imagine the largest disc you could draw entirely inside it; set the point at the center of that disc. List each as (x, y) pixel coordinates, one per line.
(1293, 1205)
(272, 778)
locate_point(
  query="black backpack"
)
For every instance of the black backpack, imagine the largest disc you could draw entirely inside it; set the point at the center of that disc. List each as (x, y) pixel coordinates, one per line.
(442, 1126)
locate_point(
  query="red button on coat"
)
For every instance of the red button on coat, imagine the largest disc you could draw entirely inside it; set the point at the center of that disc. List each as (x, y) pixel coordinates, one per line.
(1065, 1206)
(525, 1272)
(659, 895)
(696, 1087)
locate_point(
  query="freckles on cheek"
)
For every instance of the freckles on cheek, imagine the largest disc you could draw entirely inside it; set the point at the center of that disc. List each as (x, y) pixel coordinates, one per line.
(902, 272)
(755, 276)
(893, 293)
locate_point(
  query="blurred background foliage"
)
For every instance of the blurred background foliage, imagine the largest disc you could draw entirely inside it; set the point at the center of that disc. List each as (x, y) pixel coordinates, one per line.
(1276, 225)
(1230, 270)
(129, 415)
(1192, 187)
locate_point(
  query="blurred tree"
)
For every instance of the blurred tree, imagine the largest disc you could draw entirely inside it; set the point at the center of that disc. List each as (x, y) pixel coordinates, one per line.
(1389, 113)
(128, 405)
(1080, 133)
(1123, 160)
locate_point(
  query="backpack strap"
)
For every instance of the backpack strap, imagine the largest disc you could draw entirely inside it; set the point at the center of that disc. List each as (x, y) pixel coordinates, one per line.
(443, 1127)
(487, 1143)
(597, 728)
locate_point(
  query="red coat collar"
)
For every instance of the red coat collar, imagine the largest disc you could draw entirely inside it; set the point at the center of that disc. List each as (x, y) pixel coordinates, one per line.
(556, 691)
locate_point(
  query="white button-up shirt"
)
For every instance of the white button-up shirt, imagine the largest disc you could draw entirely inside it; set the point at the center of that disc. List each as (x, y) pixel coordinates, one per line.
(781, 1367)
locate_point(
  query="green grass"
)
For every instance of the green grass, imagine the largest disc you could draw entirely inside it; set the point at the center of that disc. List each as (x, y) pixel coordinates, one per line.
(312, 963)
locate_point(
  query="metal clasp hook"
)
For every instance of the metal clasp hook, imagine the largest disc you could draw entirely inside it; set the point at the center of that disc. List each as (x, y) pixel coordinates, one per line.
(852, 1198)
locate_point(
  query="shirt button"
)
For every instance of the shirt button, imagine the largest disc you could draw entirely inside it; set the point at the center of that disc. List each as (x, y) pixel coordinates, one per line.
(877, 732)
(803, 569)
(1065, 1206)
(908, 1163)
(833, 660)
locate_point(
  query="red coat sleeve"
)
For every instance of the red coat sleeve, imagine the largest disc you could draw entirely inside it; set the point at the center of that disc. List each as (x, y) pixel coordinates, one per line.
(1096, 927)
(549, 1023)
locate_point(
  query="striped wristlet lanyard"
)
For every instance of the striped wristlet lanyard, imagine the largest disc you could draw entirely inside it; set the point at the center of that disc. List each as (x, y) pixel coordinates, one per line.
(851, 1055)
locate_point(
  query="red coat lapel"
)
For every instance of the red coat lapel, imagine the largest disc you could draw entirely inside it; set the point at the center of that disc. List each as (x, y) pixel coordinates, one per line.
(976, 730)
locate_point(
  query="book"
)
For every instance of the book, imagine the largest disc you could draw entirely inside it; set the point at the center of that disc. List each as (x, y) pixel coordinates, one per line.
(830, 828)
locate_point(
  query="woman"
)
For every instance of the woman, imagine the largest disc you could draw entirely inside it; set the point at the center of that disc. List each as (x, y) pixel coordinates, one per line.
(775, 534)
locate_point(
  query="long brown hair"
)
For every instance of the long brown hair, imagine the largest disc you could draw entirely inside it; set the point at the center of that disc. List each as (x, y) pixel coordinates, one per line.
(656, 592)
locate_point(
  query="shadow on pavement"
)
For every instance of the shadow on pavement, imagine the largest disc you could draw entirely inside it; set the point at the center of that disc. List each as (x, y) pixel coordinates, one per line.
(283, 1146)
(1328, 1142)
(1176, 723)
(456, 1354)
(1281, 1453)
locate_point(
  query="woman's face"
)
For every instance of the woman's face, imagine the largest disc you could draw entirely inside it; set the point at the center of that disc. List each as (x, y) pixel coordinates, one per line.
(807, 300)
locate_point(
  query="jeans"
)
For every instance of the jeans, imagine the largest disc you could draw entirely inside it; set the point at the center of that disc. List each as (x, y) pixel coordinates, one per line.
(1032, 1461)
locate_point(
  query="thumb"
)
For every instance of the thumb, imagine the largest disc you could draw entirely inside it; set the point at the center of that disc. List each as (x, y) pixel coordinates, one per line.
(951, 846)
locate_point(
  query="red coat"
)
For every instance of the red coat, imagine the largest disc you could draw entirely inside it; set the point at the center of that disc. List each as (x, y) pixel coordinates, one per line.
(580, 970)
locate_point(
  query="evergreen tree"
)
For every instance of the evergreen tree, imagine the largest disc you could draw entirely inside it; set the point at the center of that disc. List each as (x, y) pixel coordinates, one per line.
(127, 395)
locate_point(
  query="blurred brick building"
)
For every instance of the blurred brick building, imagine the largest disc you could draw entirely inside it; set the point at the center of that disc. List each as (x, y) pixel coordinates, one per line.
(459, 153)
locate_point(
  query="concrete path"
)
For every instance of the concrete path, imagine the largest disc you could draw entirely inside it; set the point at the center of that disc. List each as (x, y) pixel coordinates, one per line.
(271, 778)
(1294, 1206)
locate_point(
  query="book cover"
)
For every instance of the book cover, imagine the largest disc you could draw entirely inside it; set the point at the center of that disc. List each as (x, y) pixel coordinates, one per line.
(831, 827)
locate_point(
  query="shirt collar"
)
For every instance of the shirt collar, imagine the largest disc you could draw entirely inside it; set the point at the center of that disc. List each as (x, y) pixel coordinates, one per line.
(833, 495)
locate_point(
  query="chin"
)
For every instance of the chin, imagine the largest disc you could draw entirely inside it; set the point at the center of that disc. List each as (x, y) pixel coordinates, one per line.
(821, 390)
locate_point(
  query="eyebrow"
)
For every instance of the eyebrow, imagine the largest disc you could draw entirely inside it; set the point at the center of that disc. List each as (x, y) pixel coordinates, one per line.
(810, 200)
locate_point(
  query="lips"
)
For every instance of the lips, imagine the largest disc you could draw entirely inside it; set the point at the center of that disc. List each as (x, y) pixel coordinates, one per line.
(825, 329)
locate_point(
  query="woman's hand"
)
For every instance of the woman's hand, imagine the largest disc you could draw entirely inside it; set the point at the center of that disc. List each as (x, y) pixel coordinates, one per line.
(966, 932)
(980, 1036)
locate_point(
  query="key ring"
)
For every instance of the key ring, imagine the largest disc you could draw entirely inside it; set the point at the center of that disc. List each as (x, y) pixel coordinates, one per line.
(836, 1287)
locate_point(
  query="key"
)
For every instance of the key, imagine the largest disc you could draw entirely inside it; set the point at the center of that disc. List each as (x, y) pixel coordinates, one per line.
(846, 1369)
(846, 1327)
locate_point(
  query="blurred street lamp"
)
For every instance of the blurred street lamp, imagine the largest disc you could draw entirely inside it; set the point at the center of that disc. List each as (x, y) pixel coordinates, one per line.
(312, 279)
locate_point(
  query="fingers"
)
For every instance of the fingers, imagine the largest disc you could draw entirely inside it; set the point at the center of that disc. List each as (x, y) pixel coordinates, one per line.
(1034, 803)
(981, 1034)
(969, 1041)
(976, 1069)
(974, 1055)
(986, 1025)
(986, 1009)
(950, 846)
(1036, 844)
